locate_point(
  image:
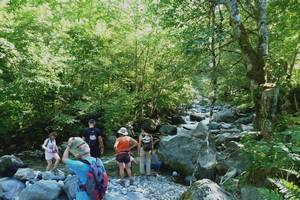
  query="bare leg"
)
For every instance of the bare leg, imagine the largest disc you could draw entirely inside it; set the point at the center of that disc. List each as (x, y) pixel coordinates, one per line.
(121, 170)
(57, 160)
(128, 169)
(49, 165)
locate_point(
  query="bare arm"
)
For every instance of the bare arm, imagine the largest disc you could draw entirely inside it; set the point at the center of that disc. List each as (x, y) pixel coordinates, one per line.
(44, 145)
(139, 144)
(133, 143)
(116, 143)
(66, 152)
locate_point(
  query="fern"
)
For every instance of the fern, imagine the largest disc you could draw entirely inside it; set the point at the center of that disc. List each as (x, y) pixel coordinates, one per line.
(288, 189)
(269, 194)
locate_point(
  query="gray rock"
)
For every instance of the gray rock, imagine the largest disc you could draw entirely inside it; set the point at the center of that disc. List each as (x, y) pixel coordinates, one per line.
(206, 189)
(70, 187)
(201, 131)
(189, 179)
(244, 120)
(249, 193)
(192, 146)
(50, 175)
(168, 129)
(226, 115)
(232, 158)
(150, 188)
(226, 137)
(10, 188)
(247, 128)
(9, 164)
(25, 174)
(42, 190)
(190, 126)
(232, 130)
(214, 125)
(197, 117)
(225, 125)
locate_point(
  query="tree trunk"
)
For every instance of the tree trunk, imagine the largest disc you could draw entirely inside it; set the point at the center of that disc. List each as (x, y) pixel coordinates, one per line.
(255, 59)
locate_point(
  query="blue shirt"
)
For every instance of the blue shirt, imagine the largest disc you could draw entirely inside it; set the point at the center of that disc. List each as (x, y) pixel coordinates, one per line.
(81, 170)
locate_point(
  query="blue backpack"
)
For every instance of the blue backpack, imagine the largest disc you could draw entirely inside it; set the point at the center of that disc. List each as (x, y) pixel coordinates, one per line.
(97, 180)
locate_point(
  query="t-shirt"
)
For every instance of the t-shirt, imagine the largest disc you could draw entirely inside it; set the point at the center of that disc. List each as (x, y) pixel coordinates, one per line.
(81, 170)
(91, 136)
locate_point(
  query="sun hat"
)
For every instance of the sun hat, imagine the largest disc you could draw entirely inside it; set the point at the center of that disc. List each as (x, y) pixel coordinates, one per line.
(123, 131)
(79, 147)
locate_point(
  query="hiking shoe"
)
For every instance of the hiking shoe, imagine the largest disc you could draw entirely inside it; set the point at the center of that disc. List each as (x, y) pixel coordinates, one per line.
(131, 181)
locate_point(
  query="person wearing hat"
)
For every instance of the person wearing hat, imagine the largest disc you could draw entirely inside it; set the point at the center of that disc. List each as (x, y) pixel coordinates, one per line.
(80, 150)
(123, 146)
(93, 136)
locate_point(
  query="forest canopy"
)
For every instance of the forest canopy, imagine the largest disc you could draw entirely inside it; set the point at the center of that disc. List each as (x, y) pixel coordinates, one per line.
(63, 62)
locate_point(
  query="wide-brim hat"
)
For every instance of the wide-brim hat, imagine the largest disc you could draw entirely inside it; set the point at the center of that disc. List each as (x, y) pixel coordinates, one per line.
(79, 147)
(123, 131)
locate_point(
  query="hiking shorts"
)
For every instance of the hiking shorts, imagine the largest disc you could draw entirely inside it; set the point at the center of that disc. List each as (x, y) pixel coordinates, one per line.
(123, 158)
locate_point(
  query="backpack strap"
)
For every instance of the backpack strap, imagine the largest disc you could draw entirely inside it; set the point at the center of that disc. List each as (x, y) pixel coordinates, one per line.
(86, 162)
(47, 142)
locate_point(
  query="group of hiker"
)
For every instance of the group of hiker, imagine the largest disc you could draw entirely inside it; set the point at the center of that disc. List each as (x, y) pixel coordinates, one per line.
(87, 165)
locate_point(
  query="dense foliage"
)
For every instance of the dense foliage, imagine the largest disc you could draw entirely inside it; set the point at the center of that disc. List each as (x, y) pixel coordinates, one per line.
(63, 62)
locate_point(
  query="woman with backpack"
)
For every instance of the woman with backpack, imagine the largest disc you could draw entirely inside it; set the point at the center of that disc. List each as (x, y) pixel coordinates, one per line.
(92, 177)
(145, 148)
(51, 150)
(123, 146)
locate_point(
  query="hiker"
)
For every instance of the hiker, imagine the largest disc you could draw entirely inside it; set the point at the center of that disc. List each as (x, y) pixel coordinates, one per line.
(145, 148)
(123, 146)
(93, 137)
(92, 177)
(51, 150)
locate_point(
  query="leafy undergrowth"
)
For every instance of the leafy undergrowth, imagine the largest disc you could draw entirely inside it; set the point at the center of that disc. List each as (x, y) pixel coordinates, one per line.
(275, 163)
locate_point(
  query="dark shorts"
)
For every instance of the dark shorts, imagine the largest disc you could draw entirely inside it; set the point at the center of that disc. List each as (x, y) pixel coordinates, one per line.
(95, 151)
(123, 158)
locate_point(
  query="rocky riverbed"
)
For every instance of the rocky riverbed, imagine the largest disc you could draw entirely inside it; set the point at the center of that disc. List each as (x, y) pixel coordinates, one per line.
(201, 150)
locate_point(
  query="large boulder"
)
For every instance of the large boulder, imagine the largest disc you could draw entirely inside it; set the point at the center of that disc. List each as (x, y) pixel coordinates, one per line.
(25, 174)
(10, 188)
(244, 120)
(167, 129)
(42, 190)
(225, 115)
(214, 125)
(70, 187)
(206, 189)
(58, 175)
(232, 158)
(9, 164)
(189, 151)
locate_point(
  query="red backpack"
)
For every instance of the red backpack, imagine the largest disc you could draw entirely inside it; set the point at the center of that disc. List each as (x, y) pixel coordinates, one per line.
(97, 180)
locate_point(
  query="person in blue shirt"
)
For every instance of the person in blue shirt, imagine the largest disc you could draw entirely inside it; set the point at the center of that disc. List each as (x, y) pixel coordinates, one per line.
(80, 149)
